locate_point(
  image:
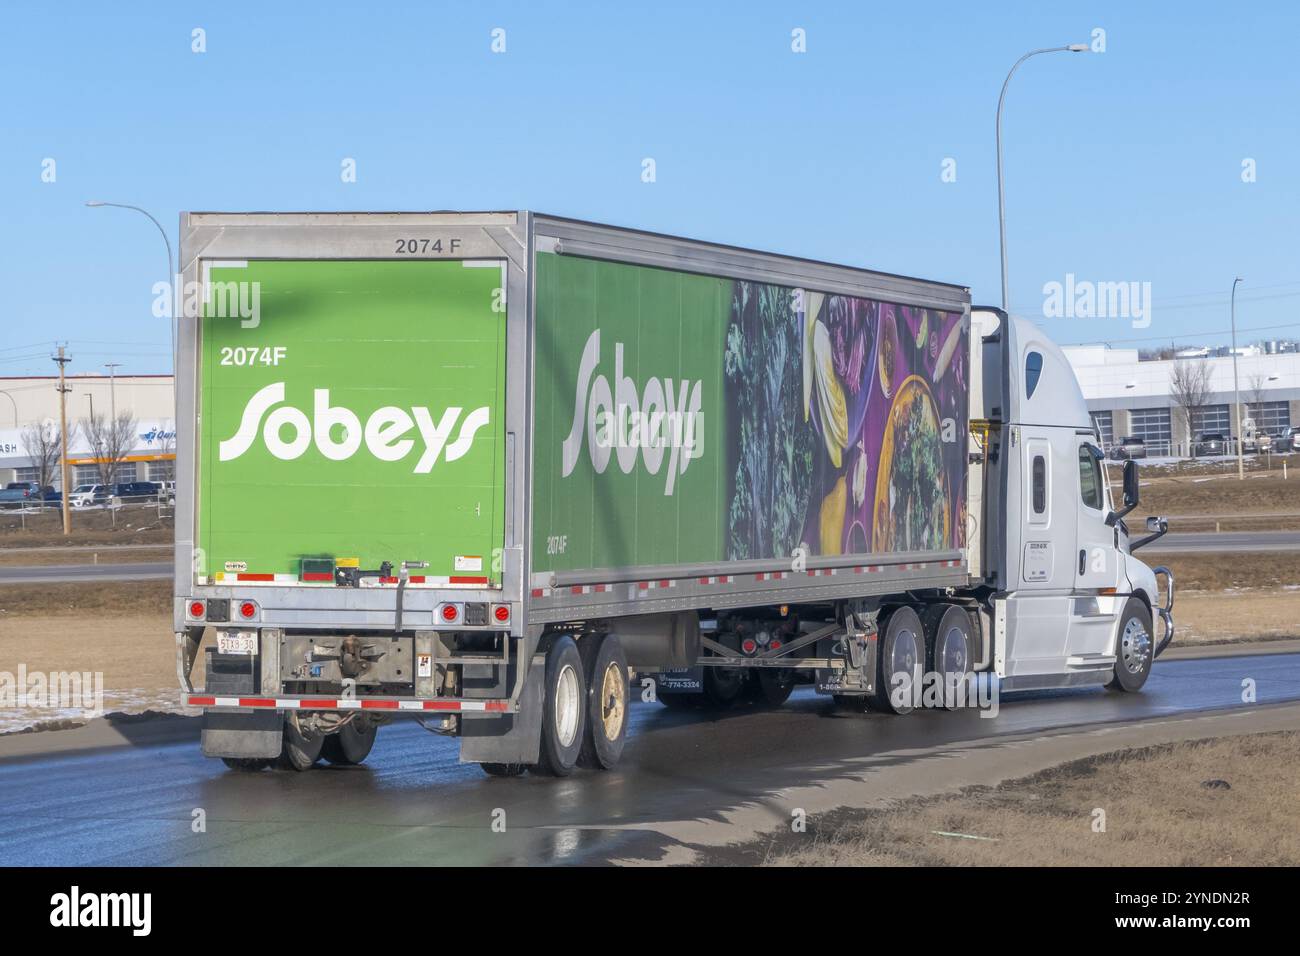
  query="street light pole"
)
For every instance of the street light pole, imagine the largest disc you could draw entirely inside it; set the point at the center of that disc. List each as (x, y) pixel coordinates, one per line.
(171, 272)
(112, 391)
(14, 404)
(1002, 213)
(1236, 397)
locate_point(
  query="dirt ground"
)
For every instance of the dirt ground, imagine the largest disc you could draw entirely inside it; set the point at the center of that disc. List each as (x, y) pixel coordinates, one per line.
(1194, 502)
(135, 524)
(1163, 806)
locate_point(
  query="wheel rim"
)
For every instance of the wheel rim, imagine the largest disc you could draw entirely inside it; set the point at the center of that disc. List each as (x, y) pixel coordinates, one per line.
(952, 651)
(612, 703)
(1135, 646)
(903, 655)
(566, 705)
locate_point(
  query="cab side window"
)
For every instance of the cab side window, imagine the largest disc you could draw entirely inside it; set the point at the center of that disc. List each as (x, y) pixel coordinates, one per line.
(1090, 478)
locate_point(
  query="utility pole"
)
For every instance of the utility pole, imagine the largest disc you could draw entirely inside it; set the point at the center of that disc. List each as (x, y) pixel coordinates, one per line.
(112, 392)
(1236, 393)
(62, 361)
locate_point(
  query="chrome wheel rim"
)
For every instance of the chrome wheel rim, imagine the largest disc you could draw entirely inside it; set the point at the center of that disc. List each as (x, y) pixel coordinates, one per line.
(1135, 646)
(952, 651)
(903, 655)
(566, 705)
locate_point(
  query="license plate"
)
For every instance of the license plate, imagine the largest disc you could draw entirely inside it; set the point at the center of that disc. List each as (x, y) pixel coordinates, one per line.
(237, 642)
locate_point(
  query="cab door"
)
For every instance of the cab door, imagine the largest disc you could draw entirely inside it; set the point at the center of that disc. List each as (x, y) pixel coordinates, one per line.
(1096, 560)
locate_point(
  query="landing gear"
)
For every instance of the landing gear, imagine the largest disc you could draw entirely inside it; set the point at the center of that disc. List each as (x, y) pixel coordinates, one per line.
(1133, 649)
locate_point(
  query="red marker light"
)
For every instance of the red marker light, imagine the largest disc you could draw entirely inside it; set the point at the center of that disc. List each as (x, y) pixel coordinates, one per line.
(450, 613)
(248, 609)
(748, 645)
(197, 608)
(502, 613)
(776, 645)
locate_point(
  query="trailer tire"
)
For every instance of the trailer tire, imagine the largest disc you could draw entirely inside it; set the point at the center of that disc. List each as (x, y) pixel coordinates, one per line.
(300, 751)
(564, 709)
(350, 745)
(605, 665)
(1133, 647)
(900, 650)
(723, 686)
(246, 764)
(772, 685)
(504, 769)
(948, 646)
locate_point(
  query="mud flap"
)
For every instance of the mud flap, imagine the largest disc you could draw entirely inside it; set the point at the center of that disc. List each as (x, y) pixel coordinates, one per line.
(510, 738)
(258, 734)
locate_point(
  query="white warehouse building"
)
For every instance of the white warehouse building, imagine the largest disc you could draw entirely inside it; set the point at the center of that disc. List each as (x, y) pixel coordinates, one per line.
(30, 400)
(1129, 397)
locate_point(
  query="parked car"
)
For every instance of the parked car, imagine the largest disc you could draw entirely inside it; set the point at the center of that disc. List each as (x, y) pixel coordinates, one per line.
(1211, 443)
(134, 492)
(16, 494)
(1129, 446)
(1287, 439)
(83, 496)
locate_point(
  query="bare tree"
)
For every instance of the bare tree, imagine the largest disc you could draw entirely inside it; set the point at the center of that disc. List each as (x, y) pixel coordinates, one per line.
(1189, 386)
(109, 441)
(41, 441)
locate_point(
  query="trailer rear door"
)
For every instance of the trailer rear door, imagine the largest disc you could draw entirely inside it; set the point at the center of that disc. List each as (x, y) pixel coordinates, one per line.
(350, 414)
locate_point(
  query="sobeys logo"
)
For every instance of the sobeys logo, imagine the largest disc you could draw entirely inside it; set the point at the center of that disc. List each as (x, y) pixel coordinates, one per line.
(636, 424)
(383, 432)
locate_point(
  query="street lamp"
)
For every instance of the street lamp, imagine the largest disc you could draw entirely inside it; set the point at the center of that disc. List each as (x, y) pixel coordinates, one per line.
(1002, 213)
(1236, 397)
(171, 272)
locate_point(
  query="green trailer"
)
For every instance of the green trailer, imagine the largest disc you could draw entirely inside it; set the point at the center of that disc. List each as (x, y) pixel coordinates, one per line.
(481, 469)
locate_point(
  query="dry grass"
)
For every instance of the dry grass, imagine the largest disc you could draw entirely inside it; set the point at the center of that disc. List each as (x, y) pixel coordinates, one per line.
(107, 554)
(1238, 570)
(1157, 813)
(135, 524)
(87, 602)
(1222, 496)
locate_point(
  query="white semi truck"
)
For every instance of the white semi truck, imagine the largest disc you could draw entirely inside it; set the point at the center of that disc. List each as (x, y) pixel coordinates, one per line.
(478, 468)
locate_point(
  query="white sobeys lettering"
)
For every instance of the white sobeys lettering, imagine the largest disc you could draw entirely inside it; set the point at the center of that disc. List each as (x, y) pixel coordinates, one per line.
(383, 432)
(635, 425)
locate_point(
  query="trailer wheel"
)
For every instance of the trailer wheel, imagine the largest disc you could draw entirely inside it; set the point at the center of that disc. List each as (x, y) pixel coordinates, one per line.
(605, 665)
(723, 686)
(300, 751)
(246, 764)
(948, 643)
(504, 769)
(773, 685)
(351, 744)
(564, 709)
(901, 650)
(1133, 648)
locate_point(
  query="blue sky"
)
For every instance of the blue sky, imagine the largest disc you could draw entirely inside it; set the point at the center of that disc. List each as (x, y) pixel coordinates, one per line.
(1121, 166)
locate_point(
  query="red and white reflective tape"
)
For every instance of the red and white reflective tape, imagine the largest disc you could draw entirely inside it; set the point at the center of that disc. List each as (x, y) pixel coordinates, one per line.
(324, 577)
(655, 585)
(346, 703)
(771, 575)
(869, 569)
(821, 572)
(718, 579)
(590, 589)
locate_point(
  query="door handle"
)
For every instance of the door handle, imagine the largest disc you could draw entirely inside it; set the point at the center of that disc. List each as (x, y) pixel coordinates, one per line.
(1083, 561)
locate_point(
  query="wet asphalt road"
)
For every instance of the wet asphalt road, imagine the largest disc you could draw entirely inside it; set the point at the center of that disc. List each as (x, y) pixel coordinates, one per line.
(413, 803)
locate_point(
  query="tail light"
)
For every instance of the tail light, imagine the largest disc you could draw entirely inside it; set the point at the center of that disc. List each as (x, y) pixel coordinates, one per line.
(198, 610)
(449, 613)
(748, 645)
(247, 610)
(501, 613)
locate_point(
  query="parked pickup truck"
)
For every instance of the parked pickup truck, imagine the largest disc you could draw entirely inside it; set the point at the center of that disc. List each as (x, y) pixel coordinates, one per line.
(472, 468)
(16, 494)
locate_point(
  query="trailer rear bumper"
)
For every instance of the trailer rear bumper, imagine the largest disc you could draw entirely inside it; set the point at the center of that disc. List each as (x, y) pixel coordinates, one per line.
(380, 704)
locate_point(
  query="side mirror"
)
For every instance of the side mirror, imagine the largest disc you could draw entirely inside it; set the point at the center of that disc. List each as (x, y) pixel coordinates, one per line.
(1130, 485)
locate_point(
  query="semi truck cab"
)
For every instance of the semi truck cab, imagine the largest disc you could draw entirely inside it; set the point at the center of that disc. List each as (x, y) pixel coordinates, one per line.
(1074, 605)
